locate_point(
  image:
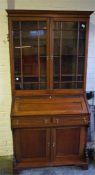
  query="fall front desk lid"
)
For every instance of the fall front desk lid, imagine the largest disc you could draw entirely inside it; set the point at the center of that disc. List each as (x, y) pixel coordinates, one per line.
(49, 106)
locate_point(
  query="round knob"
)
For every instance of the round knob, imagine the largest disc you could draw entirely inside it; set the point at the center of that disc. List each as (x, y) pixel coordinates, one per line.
(83, 26)
(17, 78)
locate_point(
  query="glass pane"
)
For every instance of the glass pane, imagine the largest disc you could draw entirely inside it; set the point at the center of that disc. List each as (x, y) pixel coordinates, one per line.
(17, 86)
(42, 25)
(56, 67)
(69, 25)
(68, 65)
(43, 42)
(30, 53)
(68, 54)
(65, 25)
(82, 37)
(30, 65)
(69, 43)
(80, 77)
(56, 45)
(66, 78)
(30, 79)
(70, 85)
(29, 25)
(17, 54)
(29, 86)
(56, 86)
(80, 85)
(43, 85)
(17, 61)
(42, 66)
(81, 65)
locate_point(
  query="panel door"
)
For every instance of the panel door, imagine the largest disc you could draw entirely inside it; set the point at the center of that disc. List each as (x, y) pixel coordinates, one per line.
(68, 144)
(68, 53)
(30, 47)
(32, 146)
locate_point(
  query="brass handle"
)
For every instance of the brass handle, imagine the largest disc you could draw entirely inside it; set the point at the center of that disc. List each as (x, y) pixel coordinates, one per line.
(57, 121)
(50, 97)
(53, 145)
(46, 121)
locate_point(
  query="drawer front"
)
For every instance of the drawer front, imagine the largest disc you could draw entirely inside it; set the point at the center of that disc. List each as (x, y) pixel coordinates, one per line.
(21, 122)
(66, 121)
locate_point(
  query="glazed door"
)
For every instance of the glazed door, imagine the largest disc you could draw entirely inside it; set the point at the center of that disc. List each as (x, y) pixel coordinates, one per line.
(68, 144)
(32, 146)
(31, 52)
(68, 53)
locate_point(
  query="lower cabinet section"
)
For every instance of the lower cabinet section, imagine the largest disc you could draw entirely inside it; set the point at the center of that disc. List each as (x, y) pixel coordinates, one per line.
(49, 146)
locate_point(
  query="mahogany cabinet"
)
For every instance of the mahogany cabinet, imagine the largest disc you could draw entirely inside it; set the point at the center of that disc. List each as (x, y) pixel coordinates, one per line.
(49, 116)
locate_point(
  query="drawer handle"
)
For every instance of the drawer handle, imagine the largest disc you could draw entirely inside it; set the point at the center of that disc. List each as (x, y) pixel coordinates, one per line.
(46, 121)
(85, 120)
(57, 121)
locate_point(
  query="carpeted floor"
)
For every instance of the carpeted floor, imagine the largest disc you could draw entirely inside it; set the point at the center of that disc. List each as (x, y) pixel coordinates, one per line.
(60, 171)
(6, 169)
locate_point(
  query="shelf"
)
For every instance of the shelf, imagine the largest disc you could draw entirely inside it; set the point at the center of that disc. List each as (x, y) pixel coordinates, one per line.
(27, 30)
(69, 55)
(67, 82)
(31, 76)
(71, 30)
(69, 75)
(31, 82)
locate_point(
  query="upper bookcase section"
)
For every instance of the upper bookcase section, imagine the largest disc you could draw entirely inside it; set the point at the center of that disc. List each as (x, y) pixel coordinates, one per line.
(48, 51)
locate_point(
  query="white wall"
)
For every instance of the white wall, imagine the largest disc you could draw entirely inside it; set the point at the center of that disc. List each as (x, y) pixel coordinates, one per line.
(5, 87)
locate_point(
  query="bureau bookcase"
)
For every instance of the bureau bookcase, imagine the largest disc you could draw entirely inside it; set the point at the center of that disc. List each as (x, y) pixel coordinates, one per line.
(49, 115)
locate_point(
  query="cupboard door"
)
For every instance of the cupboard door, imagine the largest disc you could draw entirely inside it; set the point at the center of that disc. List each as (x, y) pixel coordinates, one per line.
(68, 54)
(32, 146)
(68, 144)
(30, 44)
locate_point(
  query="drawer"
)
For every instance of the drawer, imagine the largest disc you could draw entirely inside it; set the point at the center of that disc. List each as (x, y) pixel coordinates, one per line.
(19, 122)
(65, 121)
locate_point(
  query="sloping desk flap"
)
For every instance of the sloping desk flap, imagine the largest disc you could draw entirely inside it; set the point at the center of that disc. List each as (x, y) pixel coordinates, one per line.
(49, 106)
